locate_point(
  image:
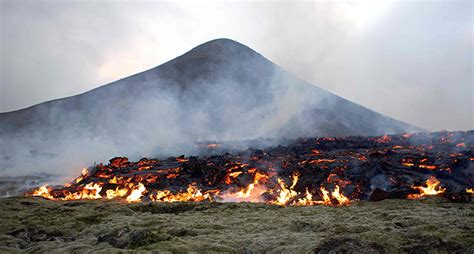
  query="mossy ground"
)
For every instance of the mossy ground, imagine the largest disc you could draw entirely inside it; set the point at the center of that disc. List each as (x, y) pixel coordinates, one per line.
(430, 225)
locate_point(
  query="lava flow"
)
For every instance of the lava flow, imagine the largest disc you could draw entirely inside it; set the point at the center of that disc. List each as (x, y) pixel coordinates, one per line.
(304, 172)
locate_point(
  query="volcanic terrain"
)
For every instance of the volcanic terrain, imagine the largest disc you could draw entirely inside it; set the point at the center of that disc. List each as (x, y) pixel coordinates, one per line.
(220, 150)
(406, 193)
(220, 90)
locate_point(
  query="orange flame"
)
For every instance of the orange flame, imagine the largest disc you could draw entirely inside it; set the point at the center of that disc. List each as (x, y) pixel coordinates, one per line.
(286, 194)
(90, 191)
(192, 194)
(339, 197)
(137, 193)
(251, 193)
(328, 199)
(117, 193)
(433, 188)
(43, 191)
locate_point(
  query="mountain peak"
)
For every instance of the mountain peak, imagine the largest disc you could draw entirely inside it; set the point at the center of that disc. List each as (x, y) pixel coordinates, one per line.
(214, 60)
(221, 45)
(220, 51)
(223, 42)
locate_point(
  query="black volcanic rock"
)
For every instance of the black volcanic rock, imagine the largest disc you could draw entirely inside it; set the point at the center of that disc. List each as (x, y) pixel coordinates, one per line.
(220, 90)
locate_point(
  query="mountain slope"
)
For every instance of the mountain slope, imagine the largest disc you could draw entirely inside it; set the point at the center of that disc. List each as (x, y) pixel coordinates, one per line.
(220, 90)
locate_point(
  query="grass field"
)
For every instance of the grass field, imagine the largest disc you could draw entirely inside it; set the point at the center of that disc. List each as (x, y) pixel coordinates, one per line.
(431, 225)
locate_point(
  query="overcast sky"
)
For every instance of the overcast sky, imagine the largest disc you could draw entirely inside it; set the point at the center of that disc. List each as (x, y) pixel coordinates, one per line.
(411, 60)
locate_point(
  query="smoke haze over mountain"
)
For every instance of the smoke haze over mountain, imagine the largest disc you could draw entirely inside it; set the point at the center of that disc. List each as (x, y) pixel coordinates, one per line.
(220, 90)
(411, 60)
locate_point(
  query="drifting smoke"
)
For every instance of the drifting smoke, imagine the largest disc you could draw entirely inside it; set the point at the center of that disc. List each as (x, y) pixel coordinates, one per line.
(221, 90)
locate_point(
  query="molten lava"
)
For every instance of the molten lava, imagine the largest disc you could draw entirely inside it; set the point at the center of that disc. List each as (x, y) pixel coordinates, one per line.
(306, 172)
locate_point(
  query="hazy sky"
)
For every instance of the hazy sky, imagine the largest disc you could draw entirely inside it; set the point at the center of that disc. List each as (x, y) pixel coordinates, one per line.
(411, 60)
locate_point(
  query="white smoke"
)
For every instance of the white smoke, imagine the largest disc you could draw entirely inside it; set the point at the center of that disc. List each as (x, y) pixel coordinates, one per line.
(220, 91)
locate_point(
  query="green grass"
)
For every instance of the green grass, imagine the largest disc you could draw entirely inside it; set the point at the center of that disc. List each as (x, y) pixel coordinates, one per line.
(431, 225)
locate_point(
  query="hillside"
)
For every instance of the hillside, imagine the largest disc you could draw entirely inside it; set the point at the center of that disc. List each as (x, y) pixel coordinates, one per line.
(220, 90)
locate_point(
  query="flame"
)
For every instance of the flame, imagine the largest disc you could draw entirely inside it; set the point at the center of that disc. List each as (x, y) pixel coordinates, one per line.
(251, 193)
(116, 180)
(90, 191)
(329, 200)
(192, 194)
(43, 191)
(286, 194)
(470, 191)
(117, 193)
(326, 198)
(137, 193)
(339, 197)
(134, 191)
(433, 188)
(307, 200)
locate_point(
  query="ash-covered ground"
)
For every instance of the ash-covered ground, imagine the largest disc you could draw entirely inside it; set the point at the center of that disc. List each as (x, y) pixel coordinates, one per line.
(430, 225)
